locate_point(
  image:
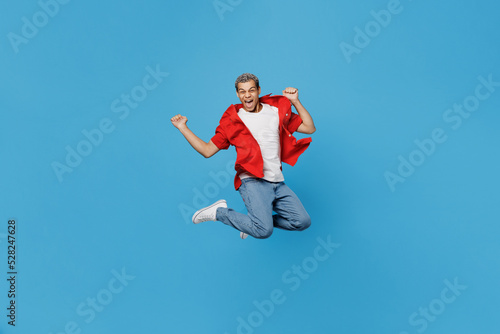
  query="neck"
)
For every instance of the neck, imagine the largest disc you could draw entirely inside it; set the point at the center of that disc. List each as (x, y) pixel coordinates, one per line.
(258, 108)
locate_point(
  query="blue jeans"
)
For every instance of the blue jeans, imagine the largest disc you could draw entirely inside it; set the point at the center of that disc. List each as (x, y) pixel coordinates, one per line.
(261, 197)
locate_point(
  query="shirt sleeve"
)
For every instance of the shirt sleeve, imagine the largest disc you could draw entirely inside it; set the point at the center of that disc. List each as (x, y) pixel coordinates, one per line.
(294, 122)
(220, 139)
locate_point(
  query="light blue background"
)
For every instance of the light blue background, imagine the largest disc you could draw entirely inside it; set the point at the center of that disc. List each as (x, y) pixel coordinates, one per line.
(122, 206)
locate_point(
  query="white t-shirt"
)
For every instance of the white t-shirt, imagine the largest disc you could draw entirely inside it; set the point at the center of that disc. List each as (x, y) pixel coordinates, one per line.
(264, 127)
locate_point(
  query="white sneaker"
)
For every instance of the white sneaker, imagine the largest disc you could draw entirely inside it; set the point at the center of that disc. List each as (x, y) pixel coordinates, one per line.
(208, 213)
(243, 235)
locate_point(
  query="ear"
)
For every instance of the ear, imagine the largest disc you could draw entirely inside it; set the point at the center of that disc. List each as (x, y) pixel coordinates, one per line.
(259, 90)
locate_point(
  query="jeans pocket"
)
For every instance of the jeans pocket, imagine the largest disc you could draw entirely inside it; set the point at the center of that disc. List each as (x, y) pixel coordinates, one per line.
(243, 190)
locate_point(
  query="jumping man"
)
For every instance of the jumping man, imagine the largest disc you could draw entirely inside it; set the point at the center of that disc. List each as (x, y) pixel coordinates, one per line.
(261, 130)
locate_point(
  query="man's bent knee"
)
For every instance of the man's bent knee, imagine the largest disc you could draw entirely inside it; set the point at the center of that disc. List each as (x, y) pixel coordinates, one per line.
(263, 233)
(303, 222)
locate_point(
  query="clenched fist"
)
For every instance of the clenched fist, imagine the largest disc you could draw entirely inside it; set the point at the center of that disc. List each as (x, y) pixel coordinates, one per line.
(291, 93)
(179, 120)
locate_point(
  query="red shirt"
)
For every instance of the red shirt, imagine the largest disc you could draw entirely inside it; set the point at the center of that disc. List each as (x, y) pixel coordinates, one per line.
(232, 131)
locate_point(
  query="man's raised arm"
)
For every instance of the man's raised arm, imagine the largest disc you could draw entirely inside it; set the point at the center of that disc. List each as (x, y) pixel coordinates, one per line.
(307, 125)
(205, 149)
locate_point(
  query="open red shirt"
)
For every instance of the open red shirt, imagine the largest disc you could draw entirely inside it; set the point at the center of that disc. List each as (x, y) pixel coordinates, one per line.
(232, 131)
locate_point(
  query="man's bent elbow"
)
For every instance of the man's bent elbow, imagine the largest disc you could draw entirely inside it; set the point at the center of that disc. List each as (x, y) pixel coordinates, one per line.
(207, 155)
(310, 130)
(209, 150)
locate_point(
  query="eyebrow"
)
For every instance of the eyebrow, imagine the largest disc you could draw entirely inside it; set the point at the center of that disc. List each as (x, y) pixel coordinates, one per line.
(253, 87)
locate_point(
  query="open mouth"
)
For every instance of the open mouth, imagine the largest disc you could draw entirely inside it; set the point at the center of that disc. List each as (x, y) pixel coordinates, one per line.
(248, 103)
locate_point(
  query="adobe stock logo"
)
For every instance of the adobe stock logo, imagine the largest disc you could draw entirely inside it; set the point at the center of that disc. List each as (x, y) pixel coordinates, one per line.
(94, 137)
(31, 27)
(97, 303)
(454, 116)
(204, 195)
(363, 36)
(427, 315)
(294, 277)
(222, 6)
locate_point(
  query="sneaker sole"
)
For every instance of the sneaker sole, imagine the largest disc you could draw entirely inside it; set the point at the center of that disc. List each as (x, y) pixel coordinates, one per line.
(208, 207)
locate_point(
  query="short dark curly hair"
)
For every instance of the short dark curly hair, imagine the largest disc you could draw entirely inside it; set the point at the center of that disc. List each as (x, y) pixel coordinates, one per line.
(245, 77)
